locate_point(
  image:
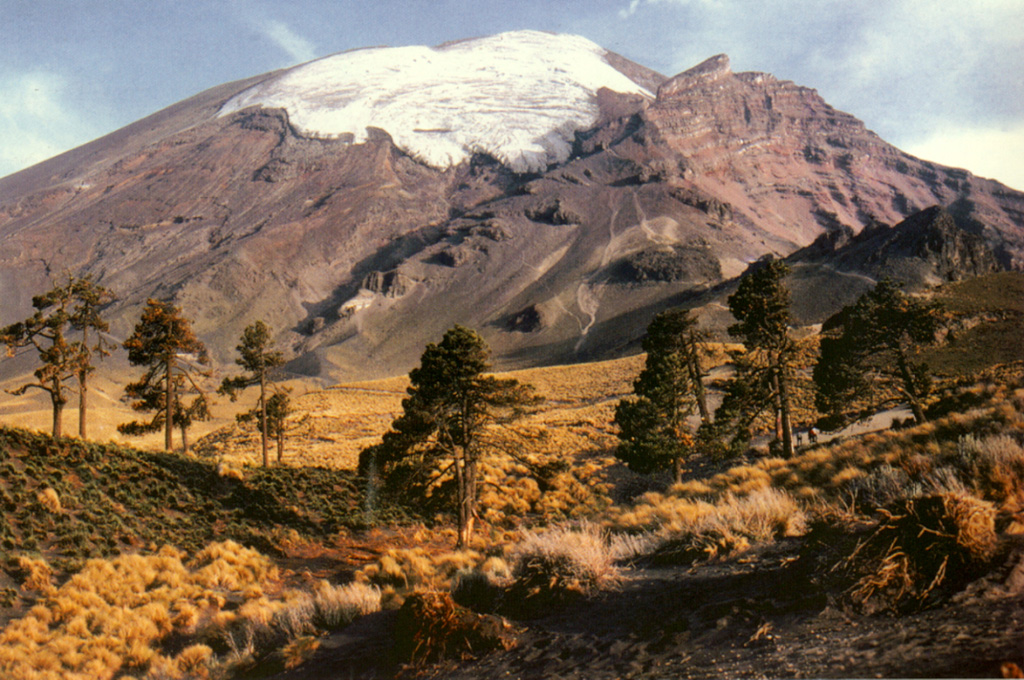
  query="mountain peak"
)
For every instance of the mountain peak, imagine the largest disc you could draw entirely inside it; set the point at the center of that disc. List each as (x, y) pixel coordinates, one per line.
(708, 71)
(518, 97)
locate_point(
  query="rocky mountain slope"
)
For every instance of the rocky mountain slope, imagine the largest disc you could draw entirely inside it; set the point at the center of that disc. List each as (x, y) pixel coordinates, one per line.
(362, 225)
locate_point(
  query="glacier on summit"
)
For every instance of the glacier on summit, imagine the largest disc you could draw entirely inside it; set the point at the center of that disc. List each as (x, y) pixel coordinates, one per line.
(516, 96)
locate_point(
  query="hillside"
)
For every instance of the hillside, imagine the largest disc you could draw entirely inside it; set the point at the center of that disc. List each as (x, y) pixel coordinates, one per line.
(118, 560)
(71, 501)
(753, 566)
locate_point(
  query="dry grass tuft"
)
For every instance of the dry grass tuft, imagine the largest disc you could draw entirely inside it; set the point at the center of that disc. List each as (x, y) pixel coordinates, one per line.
(49, 499)
(34, 573)
(732, 526)
(130, 615)
(560, 564)
(400, 571)
(338, 606)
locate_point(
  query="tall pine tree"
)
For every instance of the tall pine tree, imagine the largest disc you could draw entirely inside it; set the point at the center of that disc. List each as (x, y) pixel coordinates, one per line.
(175, 359)
(258, 358)
(436, 445)
(652, 426)
(761, 307)
(69, 307)
(868, 354)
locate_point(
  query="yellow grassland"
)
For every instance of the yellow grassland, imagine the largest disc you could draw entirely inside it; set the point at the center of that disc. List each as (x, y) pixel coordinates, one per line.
(333, 425)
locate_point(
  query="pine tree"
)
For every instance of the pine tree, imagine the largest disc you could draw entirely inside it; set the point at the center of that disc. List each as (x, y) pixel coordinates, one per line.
(761, 307)
(90, 298)
(163, 342)
(70, 306)
(278, 412)
(652, 426)
(446, 424)
(867, 354)
(258, 358)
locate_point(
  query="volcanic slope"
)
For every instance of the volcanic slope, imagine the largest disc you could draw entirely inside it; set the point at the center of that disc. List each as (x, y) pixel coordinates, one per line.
(361, 224)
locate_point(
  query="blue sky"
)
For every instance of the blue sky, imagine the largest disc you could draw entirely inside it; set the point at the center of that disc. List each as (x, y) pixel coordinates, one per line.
(941, 80)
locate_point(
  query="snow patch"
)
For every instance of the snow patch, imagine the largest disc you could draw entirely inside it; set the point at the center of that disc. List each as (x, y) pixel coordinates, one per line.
(517, 96)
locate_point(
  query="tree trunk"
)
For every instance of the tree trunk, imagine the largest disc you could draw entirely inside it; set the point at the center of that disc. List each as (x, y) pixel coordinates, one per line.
(83, 393)
(469, 502)
(677, 469)
(460, 485)
(785, 414)
(83, 388)
(777, 390)
(57, 398)
(263, 418)
(697, 378)
(168, 404)
(908, 387)
(184, 439)
(280, 445)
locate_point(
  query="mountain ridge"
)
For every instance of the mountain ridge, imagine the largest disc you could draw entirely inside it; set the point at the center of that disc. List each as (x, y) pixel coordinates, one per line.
(359, 255)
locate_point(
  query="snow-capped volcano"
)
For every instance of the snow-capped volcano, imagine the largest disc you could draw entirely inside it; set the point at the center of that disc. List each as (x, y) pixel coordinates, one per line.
(517, 97)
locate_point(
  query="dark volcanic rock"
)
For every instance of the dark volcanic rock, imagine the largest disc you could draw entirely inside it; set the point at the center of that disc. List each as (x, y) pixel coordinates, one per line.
(924, 249)
(528, 320)
(680, 263)
(390, 284)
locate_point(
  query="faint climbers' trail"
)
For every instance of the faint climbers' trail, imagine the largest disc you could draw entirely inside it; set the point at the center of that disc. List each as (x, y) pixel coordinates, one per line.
(648, 232)
(588, 292)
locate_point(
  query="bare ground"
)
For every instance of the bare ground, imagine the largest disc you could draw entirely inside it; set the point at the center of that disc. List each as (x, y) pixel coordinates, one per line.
(756, 616)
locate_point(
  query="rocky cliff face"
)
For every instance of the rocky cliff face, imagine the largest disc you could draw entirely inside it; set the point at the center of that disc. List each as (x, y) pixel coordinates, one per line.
(787, 161)
(359, 255)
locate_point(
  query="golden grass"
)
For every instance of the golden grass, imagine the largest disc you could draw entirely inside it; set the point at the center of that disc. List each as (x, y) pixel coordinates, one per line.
(569, 558)
(113, 617)
(400, 571)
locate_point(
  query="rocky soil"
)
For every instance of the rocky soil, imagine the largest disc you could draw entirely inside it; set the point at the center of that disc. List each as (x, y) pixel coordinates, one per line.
(753, 616)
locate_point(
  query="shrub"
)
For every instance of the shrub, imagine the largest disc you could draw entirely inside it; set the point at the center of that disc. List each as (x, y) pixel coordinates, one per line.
(431, 627)
(922, 548)
(881, 487)
(733, 525)
(400, 571)
(997, 464)
(49, 499)
(558, 565)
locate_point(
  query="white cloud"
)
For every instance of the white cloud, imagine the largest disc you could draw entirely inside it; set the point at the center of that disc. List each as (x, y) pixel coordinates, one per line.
(35, 120)
(994, 152)
(627, 12)
(294, 45)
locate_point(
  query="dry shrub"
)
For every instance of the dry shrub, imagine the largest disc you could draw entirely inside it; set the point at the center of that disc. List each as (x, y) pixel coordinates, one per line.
(228, 470)
(431, 627)
(195, 661)
(299, 650)
(231, 565)
(126, 615)
(922, 549)
(34, 574)
(997, 462)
